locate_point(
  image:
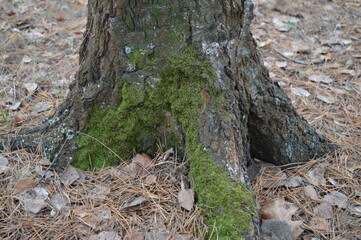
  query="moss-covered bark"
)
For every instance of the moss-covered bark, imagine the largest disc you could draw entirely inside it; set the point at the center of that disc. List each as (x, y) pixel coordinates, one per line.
(187, 74)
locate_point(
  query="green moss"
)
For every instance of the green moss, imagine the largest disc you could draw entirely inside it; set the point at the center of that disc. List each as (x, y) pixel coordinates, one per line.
(175, 100)
(227, 204)
(141, 58)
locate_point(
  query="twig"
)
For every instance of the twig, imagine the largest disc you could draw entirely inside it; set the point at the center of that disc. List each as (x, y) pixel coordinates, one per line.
(299, 61)
(52, 163)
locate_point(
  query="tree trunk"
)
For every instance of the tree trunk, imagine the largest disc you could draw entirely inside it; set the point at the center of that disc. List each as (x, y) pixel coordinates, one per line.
(182, 74)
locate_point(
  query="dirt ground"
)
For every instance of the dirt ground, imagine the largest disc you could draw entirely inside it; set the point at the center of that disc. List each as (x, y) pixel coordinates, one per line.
(312, 49)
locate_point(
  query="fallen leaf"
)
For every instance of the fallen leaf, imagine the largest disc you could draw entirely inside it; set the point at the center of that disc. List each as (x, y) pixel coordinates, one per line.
(353, 165)
(300, 92)
(358, 193)
(320, 78)
(333, 181)
(319, 224)
(150, 179)
(45, 162)
(324, 210)
(100, 191)
(69, 175)
(34, 205)
(58, 201)
(136, 201)
(272, 177)
(316, 176)
(275, 229)
(97, 218)
(59, 18)
(26, 59)
(142, 159)
(337, 199)
(40, 193)
(41, 107)
(266, 43)
(82, 175)
(186, 198)
(279, 209)
(282, 64)
(325, 99)
(23, 185)
(4, 164)
(293, 181)
(355, 211)
(311, 192)
(348, 71)
(15, 106)
(108, 235)
(134, 236)
(30, 88)
(167, 154)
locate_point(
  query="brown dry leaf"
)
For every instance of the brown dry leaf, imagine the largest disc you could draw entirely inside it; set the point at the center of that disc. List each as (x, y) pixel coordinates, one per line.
(23, 185)
(34, 205)
(96, 218)
(136, 201)
(311, 192)
(337, 199)
(279, 209)
(142, 159)
(107, 235)
(319, 224)
(4, 164)
(69, 176)
(316, 176)
(266, 43)
(134, 236)
(186, 198)
(324, 210)
(59, 18)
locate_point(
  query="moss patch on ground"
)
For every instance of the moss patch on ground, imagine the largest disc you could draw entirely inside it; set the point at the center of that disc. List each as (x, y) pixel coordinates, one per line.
(132, 124)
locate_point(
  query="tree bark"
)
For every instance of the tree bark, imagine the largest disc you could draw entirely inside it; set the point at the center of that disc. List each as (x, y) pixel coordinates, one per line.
(184, 74)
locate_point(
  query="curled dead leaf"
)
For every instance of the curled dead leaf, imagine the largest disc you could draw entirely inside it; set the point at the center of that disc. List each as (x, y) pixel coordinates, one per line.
(23, 185)
(279, 209)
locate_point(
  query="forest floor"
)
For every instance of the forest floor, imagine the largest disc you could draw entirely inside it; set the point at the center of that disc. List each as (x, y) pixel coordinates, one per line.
(312, 48)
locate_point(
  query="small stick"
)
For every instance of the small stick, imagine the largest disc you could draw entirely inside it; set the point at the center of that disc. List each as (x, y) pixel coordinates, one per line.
(52, 163)
(298, 61)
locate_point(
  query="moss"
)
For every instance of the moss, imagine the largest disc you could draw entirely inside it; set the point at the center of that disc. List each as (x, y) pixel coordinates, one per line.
(176, 98)
(227, 204)
(141, 58)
